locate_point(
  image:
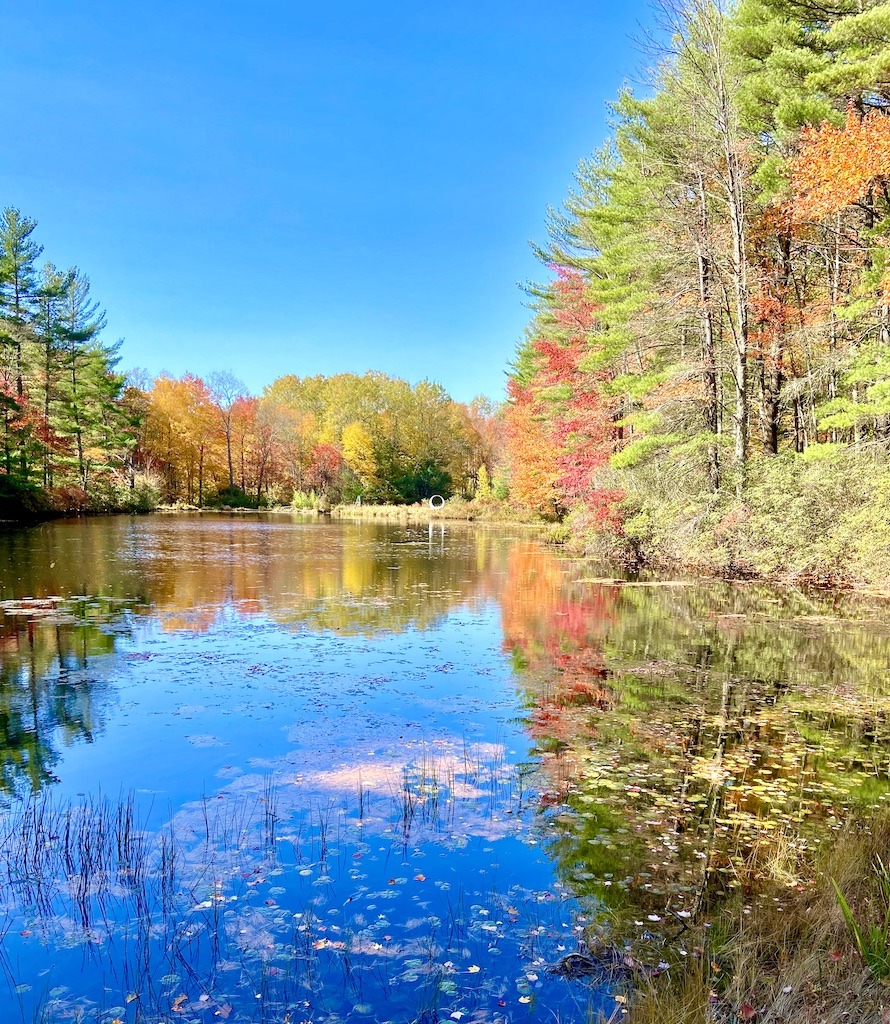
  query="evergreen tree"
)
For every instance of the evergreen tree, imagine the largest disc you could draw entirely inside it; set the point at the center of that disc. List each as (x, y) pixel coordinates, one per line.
(18, 292)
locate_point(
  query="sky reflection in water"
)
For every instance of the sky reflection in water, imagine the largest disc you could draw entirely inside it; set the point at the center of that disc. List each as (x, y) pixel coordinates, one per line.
(318, 723)
(262, 768)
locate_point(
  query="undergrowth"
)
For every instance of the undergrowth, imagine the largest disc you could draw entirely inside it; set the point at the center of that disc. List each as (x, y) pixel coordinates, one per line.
(801, 953)
(824, 520)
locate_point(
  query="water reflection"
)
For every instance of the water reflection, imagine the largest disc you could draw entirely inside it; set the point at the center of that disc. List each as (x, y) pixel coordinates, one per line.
(186, 575)
(397, 771)
(53, 686)
(696, 736)
(358, 579)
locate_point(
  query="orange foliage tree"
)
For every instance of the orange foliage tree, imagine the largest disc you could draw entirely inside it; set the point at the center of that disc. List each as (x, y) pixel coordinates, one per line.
(838, 166)
(560, 424)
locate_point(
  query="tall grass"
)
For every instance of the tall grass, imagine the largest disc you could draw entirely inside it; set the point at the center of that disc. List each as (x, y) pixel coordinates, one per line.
(812, 947)
(872, 940)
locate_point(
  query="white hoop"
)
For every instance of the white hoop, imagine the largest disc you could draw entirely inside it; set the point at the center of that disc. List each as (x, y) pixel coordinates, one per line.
(437, 498)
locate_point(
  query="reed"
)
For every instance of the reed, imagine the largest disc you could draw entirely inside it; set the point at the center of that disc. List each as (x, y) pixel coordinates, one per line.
(171, 910)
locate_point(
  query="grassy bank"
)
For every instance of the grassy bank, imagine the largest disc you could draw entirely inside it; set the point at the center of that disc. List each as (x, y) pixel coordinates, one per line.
(454, 510)
(787, 950)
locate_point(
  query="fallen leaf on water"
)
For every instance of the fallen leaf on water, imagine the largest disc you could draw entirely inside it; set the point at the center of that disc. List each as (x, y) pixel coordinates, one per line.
(474, 969)
(422, 878)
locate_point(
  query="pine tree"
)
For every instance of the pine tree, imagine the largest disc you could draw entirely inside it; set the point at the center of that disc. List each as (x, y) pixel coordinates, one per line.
(18, 292)
(89, 415)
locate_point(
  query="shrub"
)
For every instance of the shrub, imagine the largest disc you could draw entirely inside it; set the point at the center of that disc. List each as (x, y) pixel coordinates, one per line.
(233, 497)
(20, 500)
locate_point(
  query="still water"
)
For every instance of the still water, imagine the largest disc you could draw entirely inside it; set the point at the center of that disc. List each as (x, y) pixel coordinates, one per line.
(280, 769)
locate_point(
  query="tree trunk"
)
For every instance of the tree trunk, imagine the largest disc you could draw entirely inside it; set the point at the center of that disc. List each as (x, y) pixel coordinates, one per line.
(740, 326)
(228, 426)
(709, 366)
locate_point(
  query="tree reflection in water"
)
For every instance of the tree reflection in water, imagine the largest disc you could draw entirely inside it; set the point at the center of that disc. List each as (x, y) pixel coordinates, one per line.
(697, 737)
(54, 689)
(679, 741)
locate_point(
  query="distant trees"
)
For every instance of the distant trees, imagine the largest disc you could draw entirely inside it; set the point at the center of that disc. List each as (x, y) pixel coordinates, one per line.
(339, 437)
(76, 430)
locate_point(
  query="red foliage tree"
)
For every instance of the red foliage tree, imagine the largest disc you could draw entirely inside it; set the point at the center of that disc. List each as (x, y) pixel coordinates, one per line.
(560, 416)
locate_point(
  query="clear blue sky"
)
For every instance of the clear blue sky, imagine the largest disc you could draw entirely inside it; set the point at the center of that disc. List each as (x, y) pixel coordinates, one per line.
(286, 187)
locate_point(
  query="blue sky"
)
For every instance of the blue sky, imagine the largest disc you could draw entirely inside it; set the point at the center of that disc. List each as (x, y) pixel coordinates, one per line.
(307, 188)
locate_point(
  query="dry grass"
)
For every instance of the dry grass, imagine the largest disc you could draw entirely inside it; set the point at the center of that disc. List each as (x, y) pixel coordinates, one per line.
(680, 997)
(786, 955)
(454, 510)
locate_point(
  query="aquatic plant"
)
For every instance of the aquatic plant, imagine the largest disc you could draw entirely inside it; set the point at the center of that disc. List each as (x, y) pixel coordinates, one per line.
(274, 895)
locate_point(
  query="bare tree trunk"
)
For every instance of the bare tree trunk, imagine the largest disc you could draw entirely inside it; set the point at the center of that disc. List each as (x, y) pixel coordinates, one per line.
(709, 367)
(740, 326)
(228, 429)
(834, 277)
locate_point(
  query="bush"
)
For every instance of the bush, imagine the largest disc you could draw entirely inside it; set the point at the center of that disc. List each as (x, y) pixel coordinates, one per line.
(22, 501)
(110, 496)
(233, 497)
(305, 500)
(823, 516)
(558, 533)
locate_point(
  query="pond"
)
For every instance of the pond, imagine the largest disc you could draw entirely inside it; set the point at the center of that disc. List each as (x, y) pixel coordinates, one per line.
(271, 768)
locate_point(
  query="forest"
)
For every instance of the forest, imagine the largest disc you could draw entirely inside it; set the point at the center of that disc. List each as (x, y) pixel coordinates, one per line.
(312, 441)
(704, 381)
(67, 432)
(706, 376)
(78, 435)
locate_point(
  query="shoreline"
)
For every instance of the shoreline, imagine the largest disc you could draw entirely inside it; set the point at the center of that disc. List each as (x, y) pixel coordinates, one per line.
(572, 546)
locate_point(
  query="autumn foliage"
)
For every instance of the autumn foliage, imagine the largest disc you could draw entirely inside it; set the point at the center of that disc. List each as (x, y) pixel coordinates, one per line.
(560, 425)
(312, 440)
(838, 166)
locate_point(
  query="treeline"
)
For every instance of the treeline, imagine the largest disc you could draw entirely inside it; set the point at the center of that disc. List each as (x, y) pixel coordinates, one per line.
(66, 430)
(314, 440)
(77, 435)
(708, 371)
